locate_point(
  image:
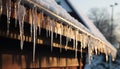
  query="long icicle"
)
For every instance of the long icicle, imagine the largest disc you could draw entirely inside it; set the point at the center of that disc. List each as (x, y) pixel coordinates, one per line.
(61, 32)
(51, 34)
(31, 26)
(67, 38)
(34, 31)
(22, 32)
(8, 7)
(81, 39)
(76, 42)
(1, 8)
(21, 15)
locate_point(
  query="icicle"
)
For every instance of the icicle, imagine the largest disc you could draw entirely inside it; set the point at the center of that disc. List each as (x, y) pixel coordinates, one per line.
(85, 40)
(67, 39)
(21, 25)
(81, 51)
(76, 42)
(48, 26)
(106, 58)
(17, 11)
(56, 29)
(41, 21)
(34, 31)
(8, 7)
(61, 32)
(39, 29)
(56, 35)
(81, 39)
(16, 14)
(106, 54)
(74, 36)
(1, 8)
(21, 14)
(113, 58)
(90, 50)
(68, 34)
(49, 31)
(32, 23)
(96, 51)
(51, 34)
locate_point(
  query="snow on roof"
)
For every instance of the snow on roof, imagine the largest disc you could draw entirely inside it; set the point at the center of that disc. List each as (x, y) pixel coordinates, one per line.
(57, 9)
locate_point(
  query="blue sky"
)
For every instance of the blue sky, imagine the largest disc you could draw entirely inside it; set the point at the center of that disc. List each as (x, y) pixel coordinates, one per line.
(85, 5)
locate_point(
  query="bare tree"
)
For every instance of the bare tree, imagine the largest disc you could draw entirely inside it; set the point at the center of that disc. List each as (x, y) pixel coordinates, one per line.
(101, 18)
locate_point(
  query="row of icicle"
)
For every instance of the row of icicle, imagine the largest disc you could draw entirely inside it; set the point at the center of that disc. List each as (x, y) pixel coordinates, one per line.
(51, 27)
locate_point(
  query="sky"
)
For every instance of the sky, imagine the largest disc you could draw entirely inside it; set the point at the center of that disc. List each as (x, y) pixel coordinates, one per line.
(85, 5)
